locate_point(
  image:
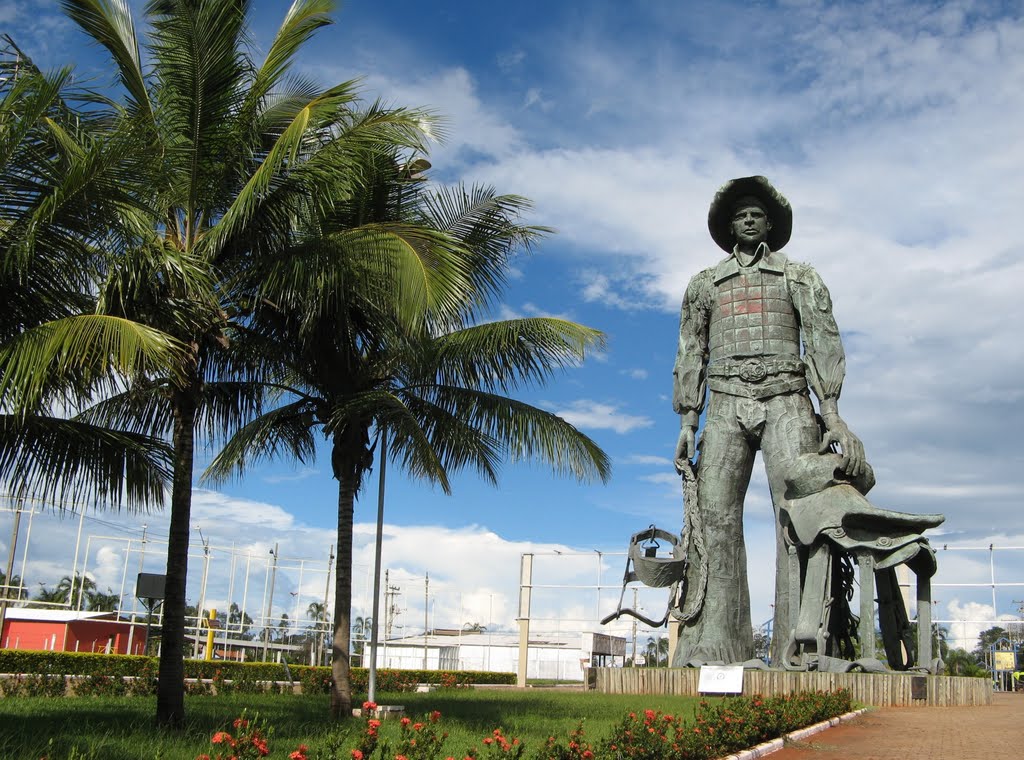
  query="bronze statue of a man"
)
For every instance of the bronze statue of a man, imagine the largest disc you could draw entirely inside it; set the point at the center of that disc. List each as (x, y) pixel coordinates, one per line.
(741, 329)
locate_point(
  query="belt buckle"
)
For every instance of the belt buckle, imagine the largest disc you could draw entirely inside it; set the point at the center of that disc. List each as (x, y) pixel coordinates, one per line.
(753, 370)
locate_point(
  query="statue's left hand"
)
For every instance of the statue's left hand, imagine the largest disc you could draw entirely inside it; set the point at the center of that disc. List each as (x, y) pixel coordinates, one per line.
(854, 461)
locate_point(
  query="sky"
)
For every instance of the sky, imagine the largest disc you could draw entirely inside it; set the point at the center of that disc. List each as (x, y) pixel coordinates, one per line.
(891, 127)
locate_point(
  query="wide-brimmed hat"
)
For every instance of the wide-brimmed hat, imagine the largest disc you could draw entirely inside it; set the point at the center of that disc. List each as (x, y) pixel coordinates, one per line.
(779, 212)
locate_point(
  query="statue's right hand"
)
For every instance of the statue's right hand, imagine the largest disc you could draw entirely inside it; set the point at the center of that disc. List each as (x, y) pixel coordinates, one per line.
(685, 448)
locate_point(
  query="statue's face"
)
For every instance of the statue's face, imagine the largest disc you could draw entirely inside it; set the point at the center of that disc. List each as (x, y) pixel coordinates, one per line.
(750, 224)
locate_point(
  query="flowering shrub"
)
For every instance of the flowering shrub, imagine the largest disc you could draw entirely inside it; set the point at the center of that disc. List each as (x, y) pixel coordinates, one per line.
(453, 680)
(248, 742)
(370, 737)
(420, 740)
(99, 686)
(576, 748)
(315, 680)
(722, 727)
(33, 685)
(497, 746)
(718, 728)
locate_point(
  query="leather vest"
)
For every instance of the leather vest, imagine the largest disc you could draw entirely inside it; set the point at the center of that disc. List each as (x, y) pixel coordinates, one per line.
(753, 315)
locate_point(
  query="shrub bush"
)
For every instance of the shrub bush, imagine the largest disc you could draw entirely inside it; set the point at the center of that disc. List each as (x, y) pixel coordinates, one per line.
(217, 676)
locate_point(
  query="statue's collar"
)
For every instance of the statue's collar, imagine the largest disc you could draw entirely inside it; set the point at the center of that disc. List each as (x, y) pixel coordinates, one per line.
(767, 261)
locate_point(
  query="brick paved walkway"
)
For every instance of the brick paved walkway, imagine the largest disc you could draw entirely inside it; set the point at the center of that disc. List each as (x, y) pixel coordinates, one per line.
(921, 733)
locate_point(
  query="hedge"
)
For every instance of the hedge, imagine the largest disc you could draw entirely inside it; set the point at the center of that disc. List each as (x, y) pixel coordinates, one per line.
(224, 675)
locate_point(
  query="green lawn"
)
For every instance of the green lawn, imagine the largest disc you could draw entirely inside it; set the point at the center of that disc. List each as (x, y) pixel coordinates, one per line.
(120, 728)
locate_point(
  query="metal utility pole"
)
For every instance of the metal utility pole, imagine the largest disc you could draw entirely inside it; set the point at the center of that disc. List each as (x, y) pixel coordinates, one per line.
(202, 592)
(10, 567)
(327, 617)
(377, 545)
(270, 605)
(635, 607)
(426, 618)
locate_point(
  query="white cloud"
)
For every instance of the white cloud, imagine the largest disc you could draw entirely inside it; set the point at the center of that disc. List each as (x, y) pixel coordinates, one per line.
(646, 459)
(595, 415)
(511, 60)
(302, 474)
(9, 12)
(636, 373)
(968, 620)
(661, 478)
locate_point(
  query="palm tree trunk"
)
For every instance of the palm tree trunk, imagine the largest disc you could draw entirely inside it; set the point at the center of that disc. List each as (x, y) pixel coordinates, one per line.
(341, 685)
(170, 696)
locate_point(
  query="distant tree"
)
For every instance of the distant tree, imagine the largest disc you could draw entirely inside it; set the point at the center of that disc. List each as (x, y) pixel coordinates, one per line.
(281, 633)
(656, 652)
(988, 637)
(473, 628)
(361, 631)
(76, 589)
(48, 595)
(14, 589)
(97, 601)
(317, 612)
(960, 662)
(239, 621)
(762, 643)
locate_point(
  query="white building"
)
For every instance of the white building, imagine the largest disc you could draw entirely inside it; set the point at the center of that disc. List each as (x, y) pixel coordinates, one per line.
(561, 656)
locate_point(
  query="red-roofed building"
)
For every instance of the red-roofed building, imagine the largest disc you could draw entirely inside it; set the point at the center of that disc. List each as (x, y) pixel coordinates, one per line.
(71, 631)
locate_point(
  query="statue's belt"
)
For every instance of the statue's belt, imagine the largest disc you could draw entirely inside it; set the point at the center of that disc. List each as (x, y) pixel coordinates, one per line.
(756, 378)
(755, 369)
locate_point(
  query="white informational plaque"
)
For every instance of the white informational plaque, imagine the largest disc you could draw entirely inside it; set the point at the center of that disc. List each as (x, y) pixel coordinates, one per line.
(720, 679)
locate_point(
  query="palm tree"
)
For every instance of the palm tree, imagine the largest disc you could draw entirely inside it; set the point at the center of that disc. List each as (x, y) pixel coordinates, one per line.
(50, 596)
(317, 612)
(100, 602)
(76, 590)
(11, 589)
(473, 628)
(364, 357)
(241, 618)
(235, 152)
(61, 190)
(361, 630)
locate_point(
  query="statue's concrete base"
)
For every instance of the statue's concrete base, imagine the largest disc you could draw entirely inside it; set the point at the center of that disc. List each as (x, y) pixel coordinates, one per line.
(880, 689)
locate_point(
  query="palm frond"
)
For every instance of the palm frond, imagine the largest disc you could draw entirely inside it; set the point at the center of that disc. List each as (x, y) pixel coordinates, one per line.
(508, 354)
(226, 405)
(145, 408)
(91, 345)
(524, 432)
(110, 23)
(304, 18)
(283, 154)
(67, 461)
(487, 226)
(287, 430)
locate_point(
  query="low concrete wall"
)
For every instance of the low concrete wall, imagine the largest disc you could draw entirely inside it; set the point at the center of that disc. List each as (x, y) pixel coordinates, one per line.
(879, 689)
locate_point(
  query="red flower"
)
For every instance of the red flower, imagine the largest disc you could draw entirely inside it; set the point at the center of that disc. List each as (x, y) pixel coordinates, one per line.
(417, 726)
(220, 737)
(369, 705)
(241, 723)
(488, 740)
(406, 721)
(435, 717)
(357, 755)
